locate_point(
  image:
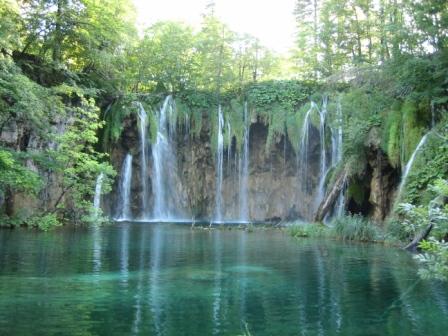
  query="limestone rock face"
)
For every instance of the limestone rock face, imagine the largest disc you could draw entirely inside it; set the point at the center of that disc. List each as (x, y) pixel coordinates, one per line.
(275, 187)
(382, 184)
(20, 138)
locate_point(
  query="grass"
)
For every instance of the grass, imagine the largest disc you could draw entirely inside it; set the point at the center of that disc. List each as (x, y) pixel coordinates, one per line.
(350, 227)
(355, 227)
(308, 230)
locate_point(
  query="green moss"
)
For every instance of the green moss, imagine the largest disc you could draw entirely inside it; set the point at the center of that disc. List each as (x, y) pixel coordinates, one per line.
(152, 124)
(114, 116)
(391, 137)
(356, 191)
(412, 129)
(234, 114)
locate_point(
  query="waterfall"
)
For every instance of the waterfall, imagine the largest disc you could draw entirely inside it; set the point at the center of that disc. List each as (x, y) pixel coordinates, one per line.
(229, 146)
(164, 187)
(97, 197)
(323, 154)
(143, 123)
(219, 166)
(340, 202)
(409, 165)
(124, 199)
(336, 140)
(304, 144)
(244, 185)
(336, 158)
(433, 115)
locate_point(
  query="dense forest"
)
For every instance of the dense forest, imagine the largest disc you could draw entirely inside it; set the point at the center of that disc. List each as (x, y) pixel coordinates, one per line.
(72, 70)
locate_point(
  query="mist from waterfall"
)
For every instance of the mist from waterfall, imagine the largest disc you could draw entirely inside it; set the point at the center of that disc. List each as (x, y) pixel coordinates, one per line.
(143, 126)
(124, 196)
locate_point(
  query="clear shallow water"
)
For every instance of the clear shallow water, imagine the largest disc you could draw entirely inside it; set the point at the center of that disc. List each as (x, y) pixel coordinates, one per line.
(149, 279)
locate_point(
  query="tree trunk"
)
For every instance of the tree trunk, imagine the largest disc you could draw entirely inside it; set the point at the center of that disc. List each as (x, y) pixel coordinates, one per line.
(331, 197)
(413, 245)
(58, 35)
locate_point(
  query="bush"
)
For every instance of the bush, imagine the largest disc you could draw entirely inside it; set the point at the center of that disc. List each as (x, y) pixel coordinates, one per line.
(354, 227)
(45, 223)
(435, 260)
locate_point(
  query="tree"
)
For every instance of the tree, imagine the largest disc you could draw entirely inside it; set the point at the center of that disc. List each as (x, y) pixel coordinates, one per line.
(166, 58)
(214, 55)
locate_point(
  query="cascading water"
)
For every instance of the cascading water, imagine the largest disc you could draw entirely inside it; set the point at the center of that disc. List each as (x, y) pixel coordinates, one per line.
(433, 115)
(336, 155)
(323, 153)
(164, 186)
(340, 202)
(229, 145)
(97, 197)
(244, 184)
(124, 199)
(409, 165)
(143, 123)
(219, 166)
(304, 144)
(336, 158)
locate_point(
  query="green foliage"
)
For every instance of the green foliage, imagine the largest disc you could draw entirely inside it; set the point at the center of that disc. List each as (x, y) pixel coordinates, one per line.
(334, 36)
(10, 25)
(76, 158)
(429, 166)
(434, 260)
(25, 102)
(355, 227)
(44, 222)
(414, 218)
(15, 176)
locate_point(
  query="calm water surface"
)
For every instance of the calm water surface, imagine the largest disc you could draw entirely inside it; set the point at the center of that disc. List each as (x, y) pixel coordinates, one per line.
(148, 279)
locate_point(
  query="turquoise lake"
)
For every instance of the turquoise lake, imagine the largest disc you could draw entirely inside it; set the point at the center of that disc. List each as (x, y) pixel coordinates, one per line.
(167, 279)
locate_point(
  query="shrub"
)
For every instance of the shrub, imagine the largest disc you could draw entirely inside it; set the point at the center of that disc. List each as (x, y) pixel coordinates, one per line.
(435, 260)
(45, 223)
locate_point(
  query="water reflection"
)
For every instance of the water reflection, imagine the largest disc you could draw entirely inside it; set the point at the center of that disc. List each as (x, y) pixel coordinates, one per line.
(124, 255)
(97, 241)
(171, 280)
(155, 290)
(217, 282)
(138, 297)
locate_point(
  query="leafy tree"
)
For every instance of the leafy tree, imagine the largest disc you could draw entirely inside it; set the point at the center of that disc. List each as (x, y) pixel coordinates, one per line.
(166, 58)
(76, 159)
